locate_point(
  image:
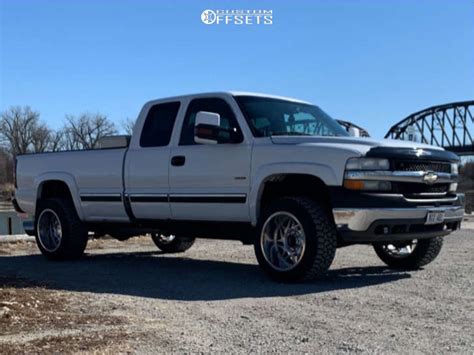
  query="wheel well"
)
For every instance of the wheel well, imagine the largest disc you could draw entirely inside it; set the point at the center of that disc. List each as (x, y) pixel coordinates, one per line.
(54, 189)
(295, 185)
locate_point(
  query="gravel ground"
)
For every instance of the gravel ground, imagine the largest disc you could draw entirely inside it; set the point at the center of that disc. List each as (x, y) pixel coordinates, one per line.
(128, 297)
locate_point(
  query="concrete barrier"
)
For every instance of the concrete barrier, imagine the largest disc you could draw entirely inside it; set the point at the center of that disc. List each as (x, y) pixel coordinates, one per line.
(10, 223)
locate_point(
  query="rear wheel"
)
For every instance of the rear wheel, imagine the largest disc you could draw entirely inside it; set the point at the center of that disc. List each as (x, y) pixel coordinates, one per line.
(296, 240)
(60, 235)
(172, 243)
(411, 254)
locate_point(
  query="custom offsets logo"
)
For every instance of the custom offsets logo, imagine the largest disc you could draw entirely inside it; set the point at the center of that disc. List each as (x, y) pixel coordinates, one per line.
(237, 17)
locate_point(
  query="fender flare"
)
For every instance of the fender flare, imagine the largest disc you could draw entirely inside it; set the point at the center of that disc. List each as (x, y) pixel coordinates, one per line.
(265, 172)
(70, 182)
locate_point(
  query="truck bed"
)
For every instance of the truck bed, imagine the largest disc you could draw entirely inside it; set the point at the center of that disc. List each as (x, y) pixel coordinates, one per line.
(87, 173)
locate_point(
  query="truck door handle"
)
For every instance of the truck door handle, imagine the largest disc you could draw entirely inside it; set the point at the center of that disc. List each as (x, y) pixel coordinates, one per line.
(178, 160)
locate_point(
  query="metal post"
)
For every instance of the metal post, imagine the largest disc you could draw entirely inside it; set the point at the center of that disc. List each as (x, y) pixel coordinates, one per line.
(10, 226)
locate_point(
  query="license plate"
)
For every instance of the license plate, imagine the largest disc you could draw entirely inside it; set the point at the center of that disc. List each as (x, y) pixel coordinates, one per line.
(434, 217)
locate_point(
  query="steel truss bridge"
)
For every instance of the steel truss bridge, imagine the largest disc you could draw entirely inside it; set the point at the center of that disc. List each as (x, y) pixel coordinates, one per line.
(450, 126)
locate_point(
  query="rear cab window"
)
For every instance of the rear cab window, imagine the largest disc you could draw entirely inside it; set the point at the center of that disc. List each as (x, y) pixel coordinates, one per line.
(159, 123)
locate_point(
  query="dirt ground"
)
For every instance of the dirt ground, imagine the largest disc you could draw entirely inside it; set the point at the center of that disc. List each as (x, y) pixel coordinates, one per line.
(128, 297)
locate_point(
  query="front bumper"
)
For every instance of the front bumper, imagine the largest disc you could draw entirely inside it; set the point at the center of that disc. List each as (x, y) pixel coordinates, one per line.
(373, 224)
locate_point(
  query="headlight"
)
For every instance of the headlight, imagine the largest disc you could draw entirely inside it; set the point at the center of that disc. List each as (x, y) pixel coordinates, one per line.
(367, 164)
(455, 168)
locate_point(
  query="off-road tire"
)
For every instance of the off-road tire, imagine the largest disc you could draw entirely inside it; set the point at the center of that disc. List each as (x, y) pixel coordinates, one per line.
(320, 234)
(177, 245)
(425, 252)
(74, 232)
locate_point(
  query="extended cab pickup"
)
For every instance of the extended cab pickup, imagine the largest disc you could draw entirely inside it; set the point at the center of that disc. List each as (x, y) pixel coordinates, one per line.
(275, 172)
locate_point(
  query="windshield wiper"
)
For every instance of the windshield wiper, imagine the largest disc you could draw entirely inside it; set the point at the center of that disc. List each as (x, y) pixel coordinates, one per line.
(284, 133)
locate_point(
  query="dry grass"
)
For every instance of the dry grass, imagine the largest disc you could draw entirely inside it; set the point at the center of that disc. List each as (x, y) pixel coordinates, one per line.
(34, 319)
(6, 191)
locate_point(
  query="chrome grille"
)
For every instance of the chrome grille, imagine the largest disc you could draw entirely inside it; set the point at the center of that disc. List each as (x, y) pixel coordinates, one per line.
(421, 190)
(407, 165)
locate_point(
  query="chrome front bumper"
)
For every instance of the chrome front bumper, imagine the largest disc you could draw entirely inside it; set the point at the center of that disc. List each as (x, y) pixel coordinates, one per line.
(359, 220)
(401, 176)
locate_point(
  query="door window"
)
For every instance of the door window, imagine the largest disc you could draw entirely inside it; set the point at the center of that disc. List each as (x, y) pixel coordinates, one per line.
(215, 105)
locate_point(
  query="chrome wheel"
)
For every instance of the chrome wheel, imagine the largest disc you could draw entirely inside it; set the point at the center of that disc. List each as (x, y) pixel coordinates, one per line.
(283, 241)
(165, 239)
(400, 250)
(49, 230)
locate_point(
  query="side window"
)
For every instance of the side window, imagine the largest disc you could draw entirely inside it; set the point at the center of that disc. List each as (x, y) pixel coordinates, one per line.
(215, 105)
(159, 124)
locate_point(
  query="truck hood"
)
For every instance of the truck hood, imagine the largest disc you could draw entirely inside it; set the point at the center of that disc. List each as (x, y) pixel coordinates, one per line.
(361, 145)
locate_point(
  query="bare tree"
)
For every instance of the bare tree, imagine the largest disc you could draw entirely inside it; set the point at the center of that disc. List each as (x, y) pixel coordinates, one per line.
(128, 125)
(6, 167)
(56, 141)
(85, 131)
(41, 139)
(6, 175)
(18, 126)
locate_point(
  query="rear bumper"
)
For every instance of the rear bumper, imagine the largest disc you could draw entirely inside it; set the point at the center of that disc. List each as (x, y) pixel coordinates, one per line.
(390, 224)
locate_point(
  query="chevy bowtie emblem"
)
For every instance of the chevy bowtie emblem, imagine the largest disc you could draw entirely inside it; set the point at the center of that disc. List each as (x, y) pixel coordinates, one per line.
(430, 178)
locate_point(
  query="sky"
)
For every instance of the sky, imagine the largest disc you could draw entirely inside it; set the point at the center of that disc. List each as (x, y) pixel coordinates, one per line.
(369, 62)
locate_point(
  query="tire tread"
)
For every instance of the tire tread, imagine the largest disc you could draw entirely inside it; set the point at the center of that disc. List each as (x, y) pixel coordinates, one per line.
(323, 230)
(327, 239)
(74, 238)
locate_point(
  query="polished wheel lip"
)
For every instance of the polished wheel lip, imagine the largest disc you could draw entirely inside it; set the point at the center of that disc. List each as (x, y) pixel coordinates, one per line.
(400, 252)
(49, 231)
(276, 249)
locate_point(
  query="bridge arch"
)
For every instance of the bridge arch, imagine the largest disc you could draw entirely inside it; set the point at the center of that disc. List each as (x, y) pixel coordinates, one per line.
(450, 126)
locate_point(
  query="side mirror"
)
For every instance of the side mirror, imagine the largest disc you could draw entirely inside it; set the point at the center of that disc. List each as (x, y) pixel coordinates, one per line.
(354, 132)
(206, 127)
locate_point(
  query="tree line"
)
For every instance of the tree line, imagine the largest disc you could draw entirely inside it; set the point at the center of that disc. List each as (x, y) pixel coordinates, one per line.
(22, 131)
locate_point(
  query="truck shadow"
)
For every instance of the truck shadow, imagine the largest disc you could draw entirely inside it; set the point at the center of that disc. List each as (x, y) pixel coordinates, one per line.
(145, 274)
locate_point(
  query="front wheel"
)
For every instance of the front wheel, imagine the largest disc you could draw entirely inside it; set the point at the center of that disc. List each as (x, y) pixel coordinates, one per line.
(411, 254)
(172, 243)
(296, 240)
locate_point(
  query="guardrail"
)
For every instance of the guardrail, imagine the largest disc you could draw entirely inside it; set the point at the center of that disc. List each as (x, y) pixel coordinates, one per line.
(6, 206)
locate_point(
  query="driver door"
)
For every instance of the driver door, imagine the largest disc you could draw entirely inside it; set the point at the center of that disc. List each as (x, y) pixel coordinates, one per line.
(209, 181)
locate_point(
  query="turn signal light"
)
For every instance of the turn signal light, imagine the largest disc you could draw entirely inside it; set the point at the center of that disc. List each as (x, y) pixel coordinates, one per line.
(367, 185)
(354, 184)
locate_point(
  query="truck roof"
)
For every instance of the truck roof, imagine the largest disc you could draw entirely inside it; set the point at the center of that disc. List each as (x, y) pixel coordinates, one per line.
(227, 93)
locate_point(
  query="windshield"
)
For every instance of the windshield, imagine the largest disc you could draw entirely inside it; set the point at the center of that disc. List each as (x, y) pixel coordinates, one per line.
(274, 117)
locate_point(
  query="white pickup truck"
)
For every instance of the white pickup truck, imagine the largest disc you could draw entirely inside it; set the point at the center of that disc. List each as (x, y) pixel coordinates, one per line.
(275, 172)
